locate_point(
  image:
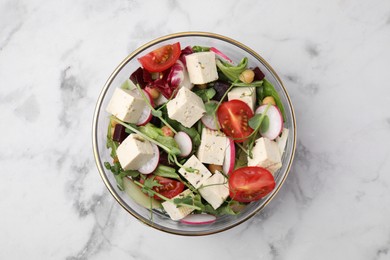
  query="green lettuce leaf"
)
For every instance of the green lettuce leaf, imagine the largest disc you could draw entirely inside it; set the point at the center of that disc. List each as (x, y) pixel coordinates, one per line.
(230, 71)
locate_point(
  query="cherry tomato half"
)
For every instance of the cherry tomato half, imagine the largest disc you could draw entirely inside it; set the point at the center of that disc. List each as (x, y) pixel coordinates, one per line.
(169, 188)
(250, 183)
(233, 116)
(162, 58)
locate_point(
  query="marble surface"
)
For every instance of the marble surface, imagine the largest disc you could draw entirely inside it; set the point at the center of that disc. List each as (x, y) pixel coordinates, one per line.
(334, 58)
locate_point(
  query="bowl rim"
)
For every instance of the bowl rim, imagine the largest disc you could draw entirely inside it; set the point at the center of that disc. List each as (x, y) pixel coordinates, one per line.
(115, 73)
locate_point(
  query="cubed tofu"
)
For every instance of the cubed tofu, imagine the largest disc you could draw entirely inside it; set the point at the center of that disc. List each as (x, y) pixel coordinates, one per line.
(212, 147)
(282, 140)
(266, 154)
(245, 94)
(186, 108)
(175, 212)
(125, 106)
(200, 173)
(215, 190)
(134, 152)
(202, 67)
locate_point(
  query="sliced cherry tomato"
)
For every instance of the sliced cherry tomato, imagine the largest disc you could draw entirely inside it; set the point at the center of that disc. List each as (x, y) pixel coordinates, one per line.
(250, 183)
(162, 58)
(233, 117)
(169, 188)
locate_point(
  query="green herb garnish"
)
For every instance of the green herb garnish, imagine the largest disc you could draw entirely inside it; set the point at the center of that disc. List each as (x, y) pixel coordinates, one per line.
(230, 71)
(206, 94)
(197, 48)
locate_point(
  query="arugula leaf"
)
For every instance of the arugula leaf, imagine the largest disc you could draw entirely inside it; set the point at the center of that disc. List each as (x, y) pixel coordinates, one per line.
(197, 48)
(156, 134)
(151, 131)
(170, 143)
(167, 172)
(230, 71)
(184, 200)
(257, 83)
(148, 186)
(206, 94)
(210, 107)
(119, 173)
(197, 199)
(224, 209)
(113, 145)
(241, 159)
(269, 90)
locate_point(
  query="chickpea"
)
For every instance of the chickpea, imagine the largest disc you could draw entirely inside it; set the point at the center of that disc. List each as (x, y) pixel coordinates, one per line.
(214, 167)
(112, 131)
(153, 92)
(247, 76)
(167, 131)
(268, 100)
(113, 123)
(202, 86)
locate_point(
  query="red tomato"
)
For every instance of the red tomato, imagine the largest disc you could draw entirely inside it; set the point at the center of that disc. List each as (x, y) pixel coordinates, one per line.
(162, 58)
(169, 188)
(233, 117)
(250, 183)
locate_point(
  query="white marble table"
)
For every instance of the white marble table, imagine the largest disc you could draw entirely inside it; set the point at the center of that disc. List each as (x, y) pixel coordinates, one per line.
(334, 58)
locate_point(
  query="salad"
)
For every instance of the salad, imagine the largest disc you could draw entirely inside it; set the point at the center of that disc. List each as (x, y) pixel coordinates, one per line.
(195, 134)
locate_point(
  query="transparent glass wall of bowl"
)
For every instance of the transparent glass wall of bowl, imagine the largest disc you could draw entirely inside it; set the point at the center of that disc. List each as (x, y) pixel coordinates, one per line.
(160, 220)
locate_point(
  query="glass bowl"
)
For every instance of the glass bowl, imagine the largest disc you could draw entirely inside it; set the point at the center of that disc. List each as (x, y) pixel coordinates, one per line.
(236, 51)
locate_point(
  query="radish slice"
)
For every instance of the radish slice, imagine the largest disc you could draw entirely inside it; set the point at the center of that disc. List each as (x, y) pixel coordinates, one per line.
(146, 114)
(220, 54)
(152, 164)
(209, 122)
(275, 121)
(185, 143)
(198, 219)
(230, 156)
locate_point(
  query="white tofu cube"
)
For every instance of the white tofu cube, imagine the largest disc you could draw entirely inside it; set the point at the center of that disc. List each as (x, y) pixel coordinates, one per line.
(200, 173)
(125, 106)
(266, 154)
(134, 152)
(282, 141)
(215, 189)
(245, 94)
(212, 147)
(186, 108)
(175, 212)
(202, 67)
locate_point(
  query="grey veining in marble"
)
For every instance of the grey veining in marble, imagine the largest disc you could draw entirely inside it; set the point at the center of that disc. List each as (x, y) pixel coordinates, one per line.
(334, 59)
